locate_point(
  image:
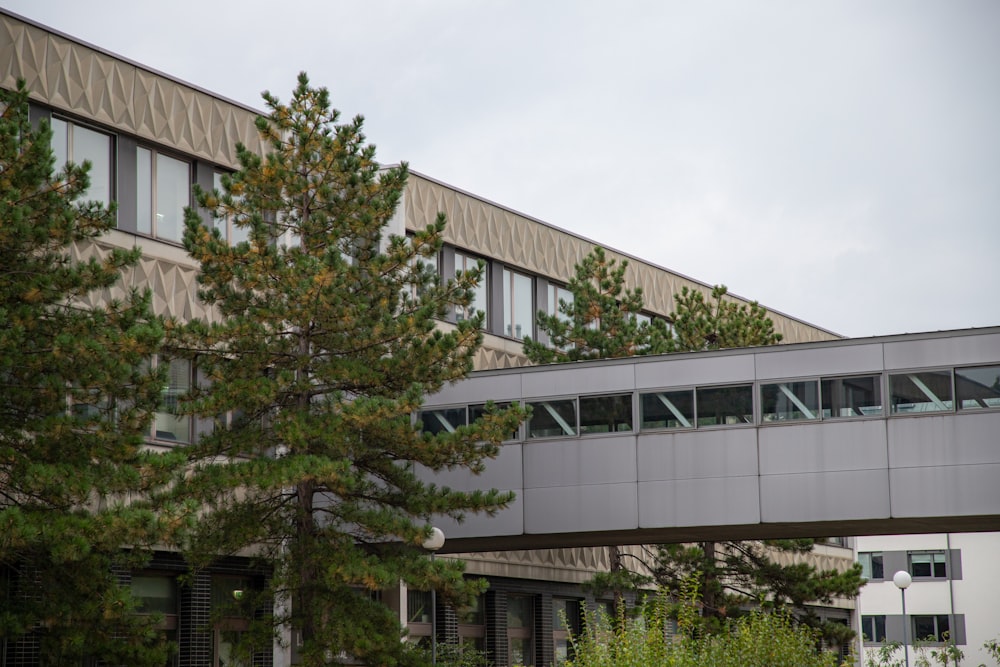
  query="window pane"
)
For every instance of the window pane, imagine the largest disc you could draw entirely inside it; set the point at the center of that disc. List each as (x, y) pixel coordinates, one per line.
(786, 401)
(606, 414)
(878, 570)
(155, 594)
(144, 190)
(465, 263)
(873, 628)
(852, 396)
(173, 187)
(478, 410)
(557, 294)
(170, 426)
(520, 652)
(927, 391)
(552, 418)
(725, 405)
(60, 142)
(418, 606)
(519, 611)
(920, 565)
(668, 409)
(518, 308)
(444, 420)
(473, 614)
(978, 387)
(96, 147)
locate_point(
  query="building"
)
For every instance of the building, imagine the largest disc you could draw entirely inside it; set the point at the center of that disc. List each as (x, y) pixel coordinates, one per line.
(150, 137)
(953, 595)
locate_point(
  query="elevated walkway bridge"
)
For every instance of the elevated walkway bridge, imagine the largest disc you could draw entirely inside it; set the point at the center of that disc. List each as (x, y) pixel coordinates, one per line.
(885, 435)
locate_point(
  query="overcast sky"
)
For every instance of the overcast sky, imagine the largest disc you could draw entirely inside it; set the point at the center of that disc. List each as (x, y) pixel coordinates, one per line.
(837, 161)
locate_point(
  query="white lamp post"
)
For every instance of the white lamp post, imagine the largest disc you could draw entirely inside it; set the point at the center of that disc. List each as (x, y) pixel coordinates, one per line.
(902, 579)
(432, 544)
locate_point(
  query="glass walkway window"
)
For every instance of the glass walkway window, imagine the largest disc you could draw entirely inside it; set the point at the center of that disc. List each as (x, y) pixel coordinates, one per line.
(606, 414)
(924, 391)
(442, 419)
(978, 388)
(859, 396)
(668, 409)
(552, 419)
(787, 401)
(724, 406)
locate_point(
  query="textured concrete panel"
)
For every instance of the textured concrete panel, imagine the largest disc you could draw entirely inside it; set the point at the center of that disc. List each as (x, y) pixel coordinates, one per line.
(966, 438)
(595, 460)
(699, 502)
(697, 454)
(561, 509)
(823, 447)
(587, 379)
(944, 351)
(685, 370)
(945, 490)
(824, 496)
(809, 361)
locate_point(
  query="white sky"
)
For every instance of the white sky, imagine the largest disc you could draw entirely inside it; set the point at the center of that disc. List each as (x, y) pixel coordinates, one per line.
(838, 161)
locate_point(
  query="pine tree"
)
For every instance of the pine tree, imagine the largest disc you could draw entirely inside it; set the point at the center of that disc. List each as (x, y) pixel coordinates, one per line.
(76, 399)
(325, 339)
(730, 573)
(601, 322)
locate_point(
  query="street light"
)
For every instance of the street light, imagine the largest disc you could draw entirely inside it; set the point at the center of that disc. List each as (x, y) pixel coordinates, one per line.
(902, 579)
(432, 544)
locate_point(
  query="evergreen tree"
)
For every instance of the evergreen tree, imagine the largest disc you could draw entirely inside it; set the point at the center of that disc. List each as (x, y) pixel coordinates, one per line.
(76, 400)
(326, 337)
(731, 573)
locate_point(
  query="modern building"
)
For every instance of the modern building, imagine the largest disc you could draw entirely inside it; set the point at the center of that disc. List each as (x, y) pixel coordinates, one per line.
(150, 137)
(954, 594)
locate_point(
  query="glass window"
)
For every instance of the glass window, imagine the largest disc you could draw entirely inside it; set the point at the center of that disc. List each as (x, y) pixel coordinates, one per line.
(788, 401)
(926, 391)
(75, 143)
(472, 624)
(552, 418)
(931, 628)
(873, 628)
(931, 564)
(231, 232)
(464, 263)
(442, 420)
(606, 414)
(978, 388)
(852, 396)
(169, 425)
(557, 294)
(668, 409)
(518, 305)
(719, 406)
(418, 606)
(478, 410)
(163, 189)
(155, 594)
(871, 565)
(520, 621)
(566, 621)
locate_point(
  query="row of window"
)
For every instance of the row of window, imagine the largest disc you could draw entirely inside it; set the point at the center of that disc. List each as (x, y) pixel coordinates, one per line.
(925, 628)
(798, 400)
(920, 564)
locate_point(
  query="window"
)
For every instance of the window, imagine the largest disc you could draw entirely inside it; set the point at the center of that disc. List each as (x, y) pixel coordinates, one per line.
(929, 565)
(717, 406)
(978, 388)
(229, 598)
(852, 396)
(231, 232)
(157, 594)
(479, 409)
(606, 414)
(163, 187)
(552, 418)
(873, 629)
(465, 263)
(555, 295)
(518, 305)
(472, 625)
(566, 621)
(418, 616)
(788, 401)
(76, 143)
(931, 628)
(871, 565)
(520, 621)
(167, 424)
(926, 391)
(668, 409)
(442, 419)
